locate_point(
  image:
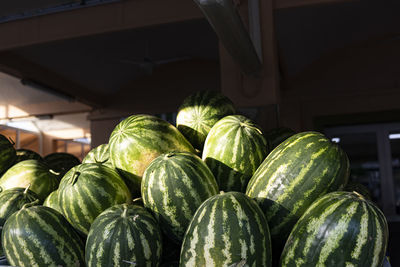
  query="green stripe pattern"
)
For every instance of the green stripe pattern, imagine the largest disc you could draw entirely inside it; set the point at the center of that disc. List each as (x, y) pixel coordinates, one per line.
(40, 236)
(7, 154)
(339, 229)
(61, 162)
(139, 139)
(12, 200)
(226, 229)
(51, 201)
(99, 154)
(296, 173)
(87, 190)
(24, 154)
(199, 112)
(124, 235)
(234, 149)
(33, 173)
(173, 187)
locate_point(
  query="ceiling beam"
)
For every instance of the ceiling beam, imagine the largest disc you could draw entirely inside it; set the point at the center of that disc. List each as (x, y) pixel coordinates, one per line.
(22, 68)
(280, 4)
(117, 16)
(92, 20)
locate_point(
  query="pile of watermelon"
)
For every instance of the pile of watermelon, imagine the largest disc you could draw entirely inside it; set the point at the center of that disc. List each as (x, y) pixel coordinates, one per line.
(214, 190)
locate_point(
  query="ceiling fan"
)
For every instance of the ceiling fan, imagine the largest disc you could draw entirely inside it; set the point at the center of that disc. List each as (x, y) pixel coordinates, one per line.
(147, 65)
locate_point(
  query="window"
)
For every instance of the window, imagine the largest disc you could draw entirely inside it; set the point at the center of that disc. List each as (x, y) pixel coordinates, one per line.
(374, 154)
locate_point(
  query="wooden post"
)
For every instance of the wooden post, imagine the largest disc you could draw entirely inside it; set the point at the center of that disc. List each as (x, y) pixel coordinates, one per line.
(260, 93)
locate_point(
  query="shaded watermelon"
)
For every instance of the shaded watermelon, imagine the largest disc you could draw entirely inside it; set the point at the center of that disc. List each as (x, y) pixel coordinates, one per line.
(198, 114)
(61, 162)
(40, 236)
(99, 154)
(226, 229)
(301, 169)
(139, 139)
(233, 150)
(277, 135)
(174, 185)
(124, 235)
(7, 154)
(33, 173)
(339, 229)
(12, 200)
(25, 154)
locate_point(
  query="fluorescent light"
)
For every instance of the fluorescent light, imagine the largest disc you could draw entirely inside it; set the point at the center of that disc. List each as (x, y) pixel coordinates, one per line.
(336, 139)
(394, 136)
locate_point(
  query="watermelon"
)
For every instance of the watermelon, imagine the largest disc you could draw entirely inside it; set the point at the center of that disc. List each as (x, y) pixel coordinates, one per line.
(339, 229)
(226, 229)
(296, 173)
(32, 173)
(139, 139)
(359, 188)
(24, 154)
(40, 236)
(61, 162)
(7, 154)
(199, 112)
(99, 154)
(174, 185)
(12, 200)
(277, 135)
(233, 150)
(87, 190)
(124, 235)
(52, 201)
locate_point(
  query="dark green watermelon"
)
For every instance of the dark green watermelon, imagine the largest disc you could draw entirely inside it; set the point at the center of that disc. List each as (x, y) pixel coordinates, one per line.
(339, 229)
(7, 154)
(40, 236)
(12, 200)
(277, 135)
(25, 154)
(124, 235)
(61, 162)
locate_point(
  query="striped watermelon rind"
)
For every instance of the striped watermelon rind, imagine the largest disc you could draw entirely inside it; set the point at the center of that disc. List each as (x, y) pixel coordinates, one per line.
(226, 229)
(174, 185)
(11, 201)
(295, 174)
(32, 173)
(139, 139)
(99, 154)
(87, 190)
(40, 236)
(51, 201)
(233, 150)
(339, 229)
(122, 235)
(199, 112)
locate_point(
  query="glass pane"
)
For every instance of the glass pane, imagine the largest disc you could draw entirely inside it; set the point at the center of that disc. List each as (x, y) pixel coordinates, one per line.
(361, 149)
(395, 148)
